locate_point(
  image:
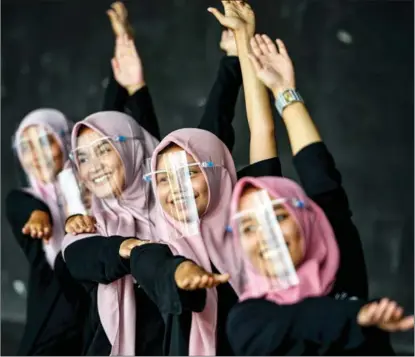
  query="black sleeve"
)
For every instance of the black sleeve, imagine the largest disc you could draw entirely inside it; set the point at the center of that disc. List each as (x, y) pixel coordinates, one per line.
(153, 266)
(220, 106)
(115, 95)
(97, 260)
(260, 327)
(268, 167)
(142, 110)
(323, 184)
(19, 207)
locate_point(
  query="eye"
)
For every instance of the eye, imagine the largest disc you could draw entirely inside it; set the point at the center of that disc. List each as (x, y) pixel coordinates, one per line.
(281, 217)
(24, 147)
(82, 160)
(193, 173)
(249, 229)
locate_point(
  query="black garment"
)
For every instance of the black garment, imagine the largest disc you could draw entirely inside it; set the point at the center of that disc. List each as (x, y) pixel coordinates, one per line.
(140, 104)
(314, 326)
(96, 260)
(220, 106)
(56, 304)
(154, 266)
(258, 327)
(322, 183)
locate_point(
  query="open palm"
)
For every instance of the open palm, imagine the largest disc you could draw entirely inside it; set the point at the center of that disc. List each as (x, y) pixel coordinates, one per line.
(127, 66)
(238, 15)
(274, 68)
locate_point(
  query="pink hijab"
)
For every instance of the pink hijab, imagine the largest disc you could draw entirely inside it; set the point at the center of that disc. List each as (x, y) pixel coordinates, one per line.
(55, 123)
(215, 244)
(127, 217)
(318, 271)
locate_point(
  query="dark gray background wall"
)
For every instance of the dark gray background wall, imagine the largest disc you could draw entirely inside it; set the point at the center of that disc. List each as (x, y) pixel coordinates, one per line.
(354, 66)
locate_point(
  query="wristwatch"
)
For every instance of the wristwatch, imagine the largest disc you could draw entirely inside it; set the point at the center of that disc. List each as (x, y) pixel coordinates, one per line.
(286, 98)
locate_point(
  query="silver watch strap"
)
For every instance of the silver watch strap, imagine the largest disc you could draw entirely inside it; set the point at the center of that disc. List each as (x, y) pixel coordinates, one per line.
(286, 98)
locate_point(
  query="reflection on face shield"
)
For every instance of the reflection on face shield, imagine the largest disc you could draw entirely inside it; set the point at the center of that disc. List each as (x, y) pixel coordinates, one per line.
(263, 241)
(99, 165)
(40, 154)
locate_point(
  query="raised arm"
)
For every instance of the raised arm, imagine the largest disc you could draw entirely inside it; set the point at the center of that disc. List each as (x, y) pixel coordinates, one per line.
(220, 106)
(128, 71)
(241, 19)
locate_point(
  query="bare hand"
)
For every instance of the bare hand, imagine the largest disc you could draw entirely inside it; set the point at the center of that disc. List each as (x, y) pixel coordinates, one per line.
(386, 315)
(80, 224)
(127, 246)
(273, 68)
(228, 43)
(127, 66)
(238, 16)
(118, 16)
(38, 226)
(190, 276)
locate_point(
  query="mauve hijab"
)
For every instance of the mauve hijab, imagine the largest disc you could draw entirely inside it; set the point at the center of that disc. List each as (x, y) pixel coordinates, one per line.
(55, 123)
(127, 217)
(214, 244)
(318, 270)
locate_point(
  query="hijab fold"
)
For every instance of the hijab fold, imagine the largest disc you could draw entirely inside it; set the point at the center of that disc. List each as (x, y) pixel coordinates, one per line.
(126, 216)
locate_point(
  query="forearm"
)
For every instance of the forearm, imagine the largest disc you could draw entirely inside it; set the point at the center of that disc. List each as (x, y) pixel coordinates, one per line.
(300, 127)
(258, 108)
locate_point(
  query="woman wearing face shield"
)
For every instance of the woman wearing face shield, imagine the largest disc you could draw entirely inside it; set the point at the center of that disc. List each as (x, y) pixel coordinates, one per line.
(108, 153)
(303, 280)
(290, 301)
(192, 175)
(56, 304)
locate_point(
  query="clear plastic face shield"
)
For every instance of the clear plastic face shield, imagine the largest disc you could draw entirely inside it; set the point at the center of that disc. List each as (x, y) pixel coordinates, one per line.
(267, 242)
(39, 154)
(181, 191)
(98, 165)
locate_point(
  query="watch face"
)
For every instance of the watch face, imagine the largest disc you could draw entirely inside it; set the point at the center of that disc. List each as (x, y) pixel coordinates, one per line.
(288, 96)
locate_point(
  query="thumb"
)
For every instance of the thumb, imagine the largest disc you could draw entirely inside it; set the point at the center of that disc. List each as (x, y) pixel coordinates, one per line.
(219, 16)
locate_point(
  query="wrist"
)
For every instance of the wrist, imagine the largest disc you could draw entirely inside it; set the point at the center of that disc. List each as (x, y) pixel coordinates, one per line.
(131, 89)
(277, 90)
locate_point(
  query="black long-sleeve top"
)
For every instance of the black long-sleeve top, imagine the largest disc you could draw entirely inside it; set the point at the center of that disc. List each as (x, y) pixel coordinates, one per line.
(322, 326)
(56, 303)
(154, 267)
(140, 104)
(318, 326)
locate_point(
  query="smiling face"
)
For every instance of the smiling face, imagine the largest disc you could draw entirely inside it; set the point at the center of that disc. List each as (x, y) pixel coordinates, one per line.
(100, 166)
(261, 254)
(181, 191)
(40, 154)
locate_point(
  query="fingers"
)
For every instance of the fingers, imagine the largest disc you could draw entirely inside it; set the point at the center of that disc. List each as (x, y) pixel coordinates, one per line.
(40, 230)
(365, 317)
(255, 63)
(406, 324)
(81, 224)
(255, 47)
(120, 9)
(203, 281)
(281, 48)
(263, 46)
(380, 310)
(270, 46)
(219, 16)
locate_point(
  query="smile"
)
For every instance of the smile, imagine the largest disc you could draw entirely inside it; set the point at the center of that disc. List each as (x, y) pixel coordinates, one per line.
(101, 179)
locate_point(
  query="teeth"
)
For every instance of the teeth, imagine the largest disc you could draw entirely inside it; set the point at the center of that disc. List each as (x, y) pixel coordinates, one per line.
(269, 253)
(100, 179)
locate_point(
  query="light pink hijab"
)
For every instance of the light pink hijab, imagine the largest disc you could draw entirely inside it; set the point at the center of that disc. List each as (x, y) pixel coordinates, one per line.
(128, 217)
(317, 272)
(215, 244)
(55, 123)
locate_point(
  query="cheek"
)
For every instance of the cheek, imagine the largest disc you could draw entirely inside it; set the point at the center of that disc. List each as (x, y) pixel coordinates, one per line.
(162, 192)
(200, 186)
